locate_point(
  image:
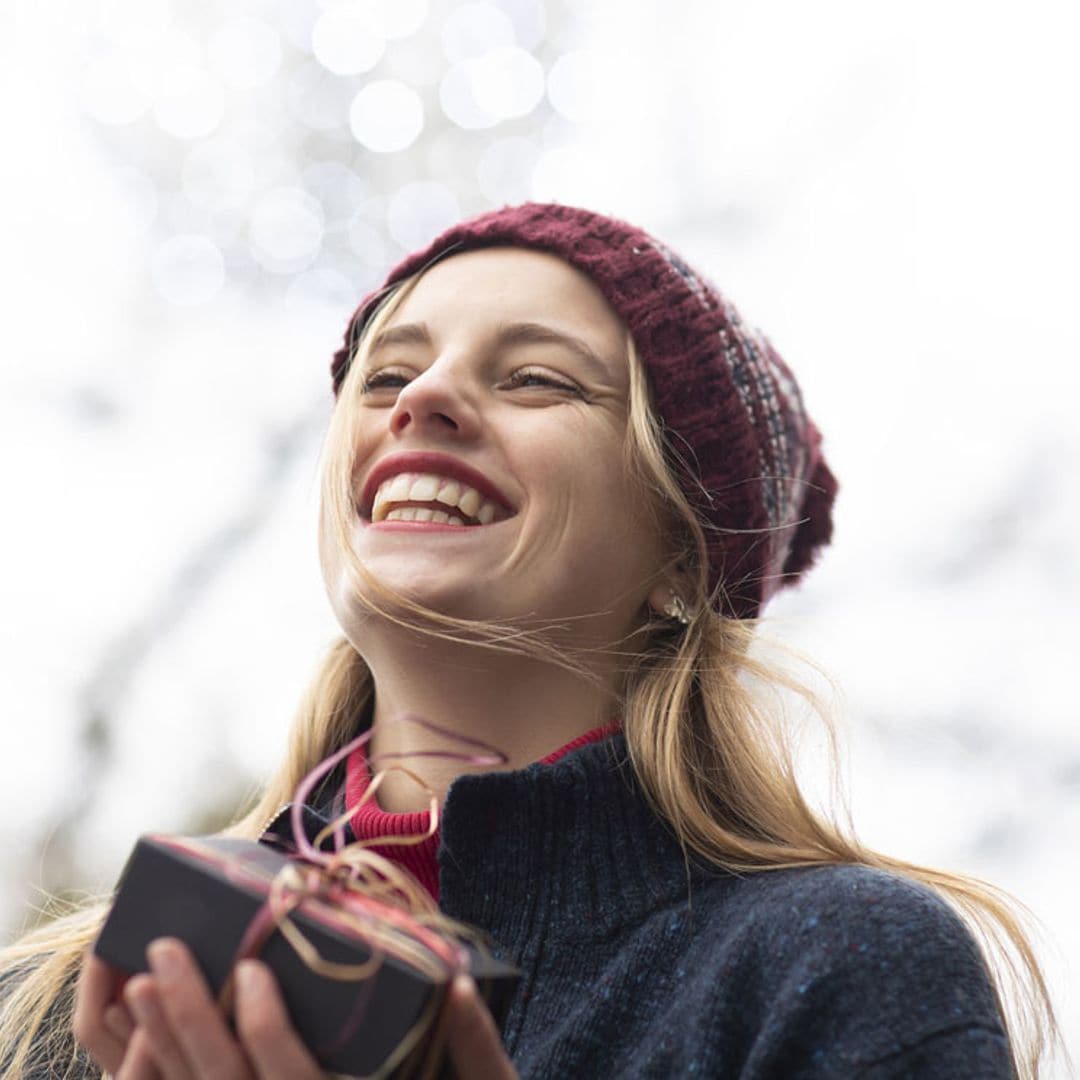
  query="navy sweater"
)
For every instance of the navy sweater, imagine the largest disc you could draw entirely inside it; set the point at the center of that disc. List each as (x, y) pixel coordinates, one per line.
(636, 967)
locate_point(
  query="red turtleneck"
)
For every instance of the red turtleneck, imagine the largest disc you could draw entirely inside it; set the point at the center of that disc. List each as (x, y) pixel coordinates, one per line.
(370, 821)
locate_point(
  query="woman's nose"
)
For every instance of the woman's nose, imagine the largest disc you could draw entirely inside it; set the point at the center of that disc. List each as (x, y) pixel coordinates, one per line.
(435, 402)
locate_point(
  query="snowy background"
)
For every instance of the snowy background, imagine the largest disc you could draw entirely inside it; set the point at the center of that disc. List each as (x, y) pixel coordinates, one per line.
(194, 196)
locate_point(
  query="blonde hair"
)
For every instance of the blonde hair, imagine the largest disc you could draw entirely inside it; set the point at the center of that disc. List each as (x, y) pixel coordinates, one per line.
(707, 743)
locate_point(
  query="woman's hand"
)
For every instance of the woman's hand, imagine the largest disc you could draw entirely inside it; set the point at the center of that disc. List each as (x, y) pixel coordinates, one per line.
(168, 1027)
(472, 1040)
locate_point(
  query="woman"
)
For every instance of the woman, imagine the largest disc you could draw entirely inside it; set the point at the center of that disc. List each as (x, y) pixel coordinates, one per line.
(563, 479)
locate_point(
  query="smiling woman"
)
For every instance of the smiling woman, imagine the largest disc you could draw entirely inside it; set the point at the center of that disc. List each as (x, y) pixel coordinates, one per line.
(562, 480)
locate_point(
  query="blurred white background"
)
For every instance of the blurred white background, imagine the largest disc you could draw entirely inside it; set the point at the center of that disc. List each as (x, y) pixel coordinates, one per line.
(193, 198)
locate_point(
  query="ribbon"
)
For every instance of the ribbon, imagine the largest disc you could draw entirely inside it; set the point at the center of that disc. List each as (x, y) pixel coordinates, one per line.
(380, 903)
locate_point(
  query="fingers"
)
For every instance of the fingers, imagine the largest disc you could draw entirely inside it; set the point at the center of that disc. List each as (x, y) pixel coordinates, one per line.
(188, 1033)
(157, 1049)
(97, 1022)
(118, 1020)
(265, 1029)
(139, 1060)
(473, 1040)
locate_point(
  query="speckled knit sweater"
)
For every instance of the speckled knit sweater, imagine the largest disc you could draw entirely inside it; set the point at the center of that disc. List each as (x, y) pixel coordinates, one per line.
(633, 968)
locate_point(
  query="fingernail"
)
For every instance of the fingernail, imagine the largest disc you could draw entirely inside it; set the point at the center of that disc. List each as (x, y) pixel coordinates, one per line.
(465, 985)
(247, 977)
(139, 996)
(164, 957)
(118, 1020)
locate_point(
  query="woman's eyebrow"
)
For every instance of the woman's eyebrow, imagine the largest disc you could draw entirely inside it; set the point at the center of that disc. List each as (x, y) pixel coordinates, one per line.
(402, 334)
(514, 333)
(534, 333)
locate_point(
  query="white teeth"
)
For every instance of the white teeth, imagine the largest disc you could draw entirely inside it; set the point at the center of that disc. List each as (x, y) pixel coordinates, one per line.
(430, 488)
(449, 493)
(424, 488)
(397, 489)
(469, 501)
(420, 513)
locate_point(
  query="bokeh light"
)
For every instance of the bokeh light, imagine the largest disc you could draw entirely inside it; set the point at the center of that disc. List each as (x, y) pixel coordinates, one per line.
(296, 20)
(308, 141)
(191, 103)
(471, 30)
(557, 172)
(418, 61)
(157, 67)
(339, 190)
(245, 53)
(386, 116)
(133, 24)
(368, 245)
(319, 99)
(218, 174)
(182, 217)
(394, 19)
(420, 210)
(323, 286)
(286, 230)
(568, 84)
(457, 96)
(507, 82)
(344, 40)
(188, 270)
(505, 170)
(109, 92)
(139, 194)
(529, 19)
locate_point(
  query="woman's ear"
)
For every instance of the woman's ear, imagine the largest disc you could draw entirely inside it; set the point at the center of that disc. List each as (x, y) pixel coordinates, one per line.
(665, 599)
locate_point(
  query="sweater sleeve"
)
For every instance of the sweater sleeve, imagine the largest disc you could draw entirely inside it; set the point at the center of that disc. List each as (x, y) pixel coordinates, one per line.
(862, 973)
(969, 1052)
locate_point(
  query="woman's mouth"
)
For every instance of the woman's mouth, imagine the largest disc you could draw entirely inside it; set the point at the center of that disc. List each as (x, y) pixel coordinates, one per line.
(429, 497)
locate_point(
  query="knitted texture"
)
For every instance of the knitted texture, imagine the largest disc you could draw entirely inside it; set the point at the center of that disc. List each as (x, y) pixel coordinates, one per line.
(370, 822)
(747, 456)
(635, 965)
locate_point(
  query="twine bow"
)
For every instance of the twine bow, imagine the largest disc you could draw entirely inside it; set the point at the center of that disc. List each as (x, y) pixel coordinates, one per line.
(369, 896)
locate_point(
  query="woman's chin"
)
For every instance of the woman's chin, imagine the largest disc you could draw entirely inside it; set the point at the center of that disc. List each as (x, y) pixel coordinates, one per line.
(454, 598)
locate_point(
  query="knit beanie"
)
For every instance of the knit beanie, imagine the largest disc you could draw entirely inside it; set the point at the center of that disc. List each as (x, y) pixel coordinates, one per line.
(745, 453)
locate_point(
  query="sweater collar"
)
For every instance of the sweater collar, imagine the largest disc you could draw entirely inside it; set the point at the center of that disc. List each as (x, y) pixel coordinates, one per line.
(572, 847)
(569, 849)
(370, 822)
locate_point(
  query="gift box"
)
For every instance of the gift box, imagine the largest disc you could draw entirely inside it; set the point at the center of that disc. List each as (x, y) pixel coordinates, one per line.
(207, 892)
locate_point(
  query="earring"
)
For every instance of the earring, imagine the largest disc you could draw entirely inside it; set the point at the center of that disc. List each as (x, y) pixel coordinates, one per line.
(676, 609)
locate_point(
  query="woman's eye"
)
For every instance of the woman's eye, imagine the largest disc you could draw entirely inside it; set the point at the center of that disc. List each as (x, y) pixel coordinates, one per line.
(379, 380)
(529, 377)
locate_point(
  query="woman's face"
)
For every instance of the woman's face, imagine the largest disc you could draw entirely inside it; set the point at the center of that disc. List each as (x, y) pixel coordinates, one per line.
(490, 463)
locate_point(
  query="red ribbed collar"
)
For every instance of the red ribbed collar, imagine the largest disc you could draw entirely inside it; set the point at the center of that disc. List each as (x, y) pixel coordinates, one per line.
(370, 821)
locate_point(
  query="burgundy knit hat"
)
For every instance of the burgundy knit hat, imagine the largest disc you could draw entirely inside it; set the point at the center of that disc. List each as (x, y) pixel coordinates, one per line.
(746, 454)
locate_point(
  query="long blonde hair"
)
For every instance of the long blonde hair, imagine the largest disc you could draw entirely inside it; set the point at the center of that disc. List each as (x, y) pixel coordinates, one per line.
(706, 741)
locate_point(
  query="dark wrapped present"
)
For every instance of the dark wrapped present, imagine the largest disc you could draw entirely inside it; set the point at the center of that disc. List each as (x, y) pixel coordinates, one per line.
(363, 980)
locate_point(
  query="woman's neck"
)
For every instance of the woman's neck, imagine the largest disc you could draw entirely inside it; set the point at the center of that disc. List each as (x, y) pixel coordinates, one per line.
(521, 706)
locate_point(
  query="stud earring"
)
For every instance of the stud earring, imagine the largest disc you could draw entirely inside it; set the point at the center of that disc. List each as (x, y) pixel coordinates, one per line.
(676, 609)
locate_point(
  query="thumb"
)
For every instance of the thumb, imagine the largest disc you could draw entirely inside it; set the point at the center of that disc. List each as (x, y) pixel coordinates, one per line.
(473, 1042)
